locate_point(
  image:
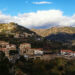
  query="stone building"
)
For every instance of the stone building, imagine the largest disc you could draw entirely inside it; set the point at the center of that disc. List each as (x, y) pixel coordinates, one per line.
(24, 48)
(30, 53)
(12, 47)
(38, 51)
(6, 47)
(16, 35)
(68, 53)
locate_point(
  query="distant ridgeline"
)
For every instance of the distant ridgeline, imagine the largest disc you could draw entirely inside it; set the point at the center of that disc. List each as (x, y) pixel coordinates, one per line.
(54, 30)
(57, 33)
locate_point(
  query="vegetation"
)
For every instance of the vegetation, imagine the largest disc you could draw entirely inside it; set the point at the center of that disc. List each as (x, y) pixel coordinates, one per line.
(54, 30)
(57, 66)
(13, 29)
(4, 65)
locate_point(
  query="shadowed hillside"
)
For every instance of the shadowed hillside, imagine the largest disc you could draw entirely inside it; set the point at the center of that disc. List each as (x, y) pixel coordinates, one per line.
(63, 37)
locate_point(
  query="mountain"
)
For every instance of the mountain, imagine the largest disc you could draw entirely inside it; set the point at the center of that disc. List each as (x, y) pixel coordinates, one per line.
(54, 30)
(15, 30)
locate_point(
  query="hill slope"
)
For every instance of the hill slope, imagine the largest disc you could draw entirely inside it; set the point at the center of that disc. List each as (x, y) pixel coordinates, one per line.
(15, 30)
(54, 30)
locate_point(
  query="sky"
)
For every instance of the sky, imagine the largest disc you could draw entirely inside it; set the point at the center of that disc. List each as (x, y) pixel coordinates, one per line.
(38, 13)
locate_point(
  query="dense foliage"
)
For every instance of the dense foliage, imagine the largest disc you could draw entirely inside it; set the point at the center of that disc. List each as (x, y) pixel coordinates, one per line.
(5, 65)
(57, 66)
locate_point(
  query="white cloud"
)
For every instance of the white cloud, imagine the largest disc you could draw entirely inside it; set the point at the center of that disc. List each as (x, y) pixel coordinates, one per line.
(43, 2)
(39, 19)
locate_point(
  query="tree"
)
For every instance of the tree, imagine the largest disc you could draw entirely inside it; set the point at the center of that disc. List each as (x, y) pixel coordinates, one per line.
(4, 64)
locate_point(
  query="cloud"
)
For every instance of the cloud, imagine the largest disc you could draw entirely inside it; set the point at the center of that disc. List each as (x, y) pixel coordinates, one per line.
(46, 18)
(43, 2)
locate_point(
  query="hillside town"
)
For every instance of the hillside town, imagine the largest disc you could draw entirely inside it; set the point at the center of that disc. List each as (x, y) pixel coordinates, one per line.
(28, 52)
(25, 50)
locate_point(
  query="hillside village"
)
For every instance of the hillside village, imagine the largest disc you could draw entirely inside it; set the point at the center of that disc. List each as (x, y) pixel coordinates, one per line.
(37, 37)
(25, 50)
(16, 45)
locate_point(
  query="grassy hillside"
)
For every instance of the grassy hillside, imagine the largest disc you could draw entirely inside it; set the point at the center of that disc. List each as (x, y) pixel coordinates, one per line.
(17, 34)
(54, 30)
(13, 29)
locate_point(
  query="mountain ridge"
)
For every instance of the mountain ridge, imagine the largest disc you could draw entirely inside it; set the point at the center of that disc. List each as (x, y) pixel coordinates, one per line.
(15, 29)
(54, 30)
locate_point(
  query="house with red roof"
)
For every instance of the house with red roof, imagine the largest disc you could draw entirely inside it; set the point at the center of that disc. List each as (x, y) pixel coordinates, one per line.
(25, 49)
(68, 52)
